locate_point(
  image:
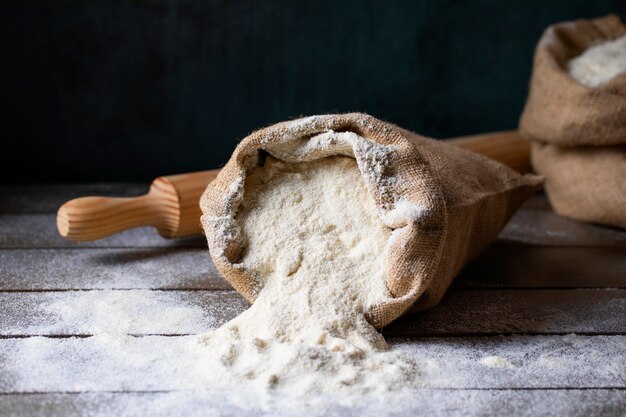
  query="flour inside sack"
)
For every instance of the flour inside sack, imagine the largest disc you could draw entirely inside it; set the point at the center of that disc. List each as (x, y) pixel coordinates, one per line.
(334, 226)
(316, 243)
(600, 63)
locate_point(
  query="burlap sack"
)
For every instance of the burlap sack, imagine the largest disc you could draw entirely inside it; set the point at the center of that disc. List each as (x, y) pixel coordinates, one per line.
(464, 200)
(579, 132)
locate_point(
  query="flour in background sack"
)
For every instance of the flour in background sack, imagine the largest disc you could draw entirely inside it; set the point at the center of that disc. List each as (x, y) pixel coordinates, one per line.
(599, 63)
(315, 239)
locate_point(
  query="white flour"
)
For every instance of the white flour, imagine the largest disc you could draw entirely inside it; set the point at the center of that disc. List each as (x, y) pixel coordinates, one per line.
(496, 362)
(316, 242)
(599, 63)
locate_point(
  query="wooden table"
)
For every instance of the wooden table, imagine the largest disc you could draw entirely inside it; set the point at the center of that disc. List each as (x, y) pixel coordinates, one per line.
(549, 297)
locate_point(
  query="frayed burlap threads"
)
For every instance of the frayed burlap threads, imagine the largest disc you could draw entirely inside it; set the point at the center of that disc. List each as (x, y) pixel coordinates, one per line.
(462, 201)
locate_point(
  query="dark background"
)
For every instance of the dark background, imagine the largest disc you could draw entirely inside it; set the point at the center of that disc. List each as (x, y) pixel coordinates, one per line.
(109, 90)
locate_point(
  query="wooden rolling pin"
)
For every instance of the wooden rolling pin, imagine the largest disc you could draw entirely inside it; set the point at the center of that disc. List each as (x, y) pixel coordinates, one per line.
(171, 205)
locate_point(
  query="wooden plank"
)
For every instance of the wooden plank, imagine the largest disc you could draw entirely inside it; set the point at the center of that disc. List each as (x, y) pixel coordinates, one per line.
(546, 228)
(47, 198)
(66, 269)
(430, 402)
(129, 312)
(546, 267)
(473, 312)
(497, 266)
(96, 363)
(535, 224)
(521, 311)
(39, 231)
(182, 268)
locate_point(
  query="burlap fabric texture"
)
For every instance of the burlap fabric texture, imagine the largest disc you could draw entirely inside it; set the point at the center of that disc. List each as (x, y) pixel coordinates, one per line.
(578, 133)
(461, 201)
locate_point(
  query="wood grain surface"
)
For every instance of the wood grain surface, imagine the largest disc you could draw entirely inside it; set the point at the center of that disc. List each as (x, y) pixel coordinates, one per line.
(445, 362)
(469, 312)
(428, 402)
(549, 296)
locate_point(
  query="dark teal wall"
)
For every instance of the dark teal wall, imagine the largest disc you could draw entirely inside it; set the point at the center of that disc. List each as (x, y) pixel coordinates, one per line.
(110, 90)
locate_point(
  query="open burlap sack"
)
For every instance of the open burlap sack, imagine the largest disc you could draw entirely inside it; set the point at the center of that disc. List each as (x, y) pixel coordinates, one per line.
(444, 203)
(579, 132)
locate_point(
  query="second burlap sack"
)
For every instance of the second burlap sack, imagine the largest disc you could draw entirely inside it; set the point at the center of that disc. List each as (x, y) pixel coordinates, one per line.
(578, 132)
(445, 204)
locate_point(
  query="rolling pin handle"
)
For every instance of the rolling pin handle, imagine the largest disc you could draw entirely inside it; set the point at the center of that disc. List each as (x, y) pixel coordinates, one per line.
(91, 218)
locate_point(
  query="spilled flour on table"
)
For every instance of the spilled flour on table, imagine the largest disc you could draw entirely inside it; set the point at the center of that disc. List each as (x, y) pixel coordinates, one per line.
(315, 240)
(496, 362)
(317, 244)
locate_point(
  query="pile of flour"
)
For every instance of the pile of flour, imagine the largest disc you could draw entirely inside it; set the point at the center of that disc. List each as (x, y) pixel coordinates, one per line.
(315, 240)
(599, 63)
